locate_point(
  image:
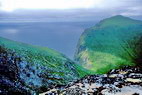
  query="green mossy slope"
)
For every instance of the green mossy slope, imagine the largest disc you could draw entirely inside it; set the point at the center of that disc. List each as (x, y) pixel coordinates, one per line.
(112, 43)
(37, 68)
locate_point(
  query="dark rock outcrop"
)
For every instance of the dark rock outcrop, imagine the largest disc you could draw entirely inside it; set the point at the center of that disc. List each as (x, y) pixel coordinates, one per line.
(125, 81)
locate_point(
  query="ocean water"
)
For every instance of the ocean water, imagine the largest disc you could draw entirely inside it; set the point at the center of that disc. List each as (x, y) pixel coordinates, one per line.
(60, 36)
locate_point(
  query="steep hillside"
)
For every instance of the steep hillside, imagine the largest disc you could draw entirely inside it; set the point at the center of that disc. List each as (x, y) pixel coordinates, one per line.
(112, 43)
(27, 69)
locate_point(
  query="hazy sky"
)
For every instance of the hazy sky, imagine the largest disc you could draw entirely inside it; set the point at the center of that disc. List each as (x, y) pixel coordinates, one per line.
(68, 10)
(10, 5)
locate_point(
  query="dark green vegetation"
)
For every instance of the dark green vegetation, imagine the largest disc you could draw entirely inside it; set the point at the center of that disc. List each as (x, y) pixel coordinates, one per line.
(112, 43)
(31, 69)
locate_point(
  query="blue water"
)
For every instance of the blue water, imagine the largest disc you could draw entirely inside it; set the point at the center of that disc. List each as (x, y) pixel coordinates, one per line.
(60, 36)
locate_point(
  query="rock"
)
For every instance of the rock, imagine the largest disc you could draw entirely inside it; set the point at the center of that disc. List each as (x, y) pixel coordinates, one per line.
(133, 80)
(32, 69)
(106, 85)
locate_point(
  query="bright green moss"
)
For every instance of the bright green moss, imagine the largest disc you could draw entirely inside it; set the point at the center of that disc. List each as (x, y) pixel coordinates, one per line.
(112, 43)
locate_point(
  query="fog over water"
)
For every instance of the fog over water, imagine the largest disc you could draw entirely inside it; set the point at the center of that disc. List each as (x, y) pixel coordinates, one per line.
(60, 36)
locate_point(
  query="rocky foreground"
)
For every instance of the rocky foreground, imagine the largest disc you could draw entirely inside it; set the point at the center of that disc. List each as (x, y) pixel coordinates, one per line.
(125, 81)
(30, 70)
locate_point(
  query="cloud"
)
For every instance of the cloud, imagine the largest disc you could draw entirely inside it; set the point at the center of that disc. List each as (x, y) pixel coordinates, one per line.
(97, 10)
(132, 11)
(10, 5)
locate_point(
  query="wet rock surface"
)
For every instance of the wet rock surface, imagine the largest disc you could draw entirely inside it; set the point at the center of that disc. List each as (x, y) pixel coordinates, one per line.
(125, 81)
(20, 77)
(10, 81)
(29, 70)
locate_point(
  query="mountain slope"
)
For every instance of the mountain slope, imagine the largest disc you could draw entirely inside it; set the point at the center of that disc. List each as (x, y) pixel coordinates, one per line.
(32, 69)
(112, 43)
